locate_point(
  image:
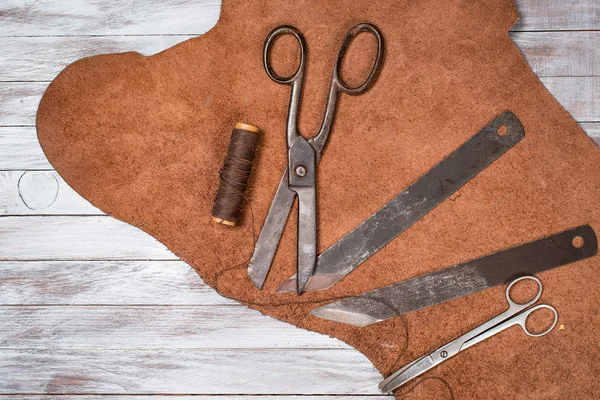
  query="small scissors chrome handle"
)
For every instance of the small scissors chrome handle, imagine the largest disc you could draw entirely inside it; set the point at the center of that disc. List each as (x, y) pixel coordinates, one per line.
(516, 314)
(337, 83)
(520, 318)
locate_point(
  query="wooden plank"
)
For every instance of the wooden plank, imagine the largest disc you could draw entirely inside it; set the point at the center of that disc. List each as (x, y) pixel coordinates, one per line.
(76, 238)
(560, 53)
(40, 193)
(213, 397)
(593, 131)
(545, 15)
(104, 283)
(579, 95)
(19, 102)
(42, 58)
(186, 371)
(152, 327)
(156, 17)
(107, 17)
(20, 149)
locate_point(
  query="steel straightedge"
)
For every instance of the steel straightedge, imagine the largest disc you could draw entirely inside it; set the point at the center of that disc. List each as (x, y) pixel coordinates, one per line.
(411, 205)
(462, 279)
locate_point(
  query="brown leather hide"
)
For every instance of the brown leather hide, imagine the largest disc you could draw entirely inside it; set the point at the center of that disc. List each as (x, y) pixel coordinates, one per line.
(143, 138)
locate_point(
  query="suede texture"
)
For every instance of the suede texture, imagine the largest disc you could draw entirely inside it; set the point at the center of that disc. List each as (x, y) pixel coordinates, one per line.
(143, 138)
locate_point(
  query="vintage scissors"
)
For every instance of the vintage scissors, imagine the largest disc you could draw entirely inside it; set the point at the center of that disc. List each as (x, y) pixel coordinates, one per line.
(516, 314)
(299, 179)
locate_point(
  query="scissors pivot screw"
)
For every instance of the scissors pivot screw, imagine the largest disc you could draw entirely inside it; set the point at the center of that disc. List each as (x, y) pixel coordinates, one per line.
(300, 171)
(444, 354)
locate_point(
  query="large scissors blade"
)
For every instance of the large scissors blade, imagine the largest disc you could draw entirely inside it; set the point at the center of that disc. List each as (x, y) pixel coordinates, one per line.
(462, 279)
(270, 235)
(307, 234)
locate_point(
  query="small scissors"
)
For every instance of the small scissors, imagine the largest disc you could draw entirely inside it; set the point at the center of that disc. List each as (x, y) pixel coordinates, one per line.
(299, 179)
(516, 314)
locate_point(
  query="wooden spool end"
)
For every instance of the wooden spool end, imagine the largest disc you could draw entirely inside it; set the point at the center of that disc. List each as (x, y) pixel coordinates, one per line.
(246, 127)
(223, 222)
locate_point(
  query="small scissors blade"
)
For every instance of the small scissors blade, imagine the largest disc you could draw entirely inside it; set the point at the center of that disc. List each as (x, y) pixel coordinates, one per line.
(407, 373)
(307, 234)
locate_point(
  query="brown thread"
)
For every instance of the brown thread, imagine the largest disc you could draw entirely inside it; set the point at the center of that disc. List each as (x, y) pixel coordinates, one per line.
(235, 174)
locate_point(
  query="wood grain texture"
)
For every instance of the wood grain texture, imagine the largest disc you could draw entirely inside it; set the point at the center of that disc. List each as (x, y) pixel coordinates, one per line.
(186, 371)
(545, 15)
(76, 238)
(104, 283)
(170, 17)
(579, 96)
(21, 150)
(213, 397)
(151, 327)
(40, 193)
(554, 54)
(593, 131)
(107, 17)
(42, 58)
(19, 100)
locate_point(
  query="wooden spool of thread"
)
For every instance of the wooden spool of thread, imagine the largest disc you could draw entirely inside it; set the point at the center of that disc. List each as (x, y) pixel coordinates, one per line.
(235, 174)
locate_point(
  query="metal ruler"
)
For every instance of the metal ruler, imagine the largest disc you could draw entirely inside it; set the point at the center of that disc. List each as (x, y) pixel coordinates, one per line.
(408, 207)
(463, 279)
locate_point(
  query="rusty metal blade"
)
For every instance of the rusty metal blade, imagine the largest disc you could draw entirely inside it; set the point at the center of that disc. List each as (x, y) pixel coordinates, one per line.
(270, 235)
(307, 234)
(462, 279)
(412, 204)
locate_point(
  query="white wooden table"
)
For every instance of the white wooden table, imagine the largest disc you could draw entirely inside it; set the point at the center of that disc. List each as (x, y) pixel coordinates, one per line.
(92, 306)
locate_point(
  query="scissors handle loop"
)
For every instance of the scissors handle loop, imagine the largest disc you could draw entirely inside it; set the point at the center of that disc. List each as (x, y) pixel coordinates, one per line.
(520, 316)
(516, 314)
(350, 36)
(521, 319)
(279, 31)
(515, 305)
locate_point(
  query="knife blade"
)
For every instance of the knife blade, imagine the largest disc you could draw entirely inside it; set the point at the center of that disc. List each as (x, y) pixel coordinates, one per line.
(411, 205)
(463, 279)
